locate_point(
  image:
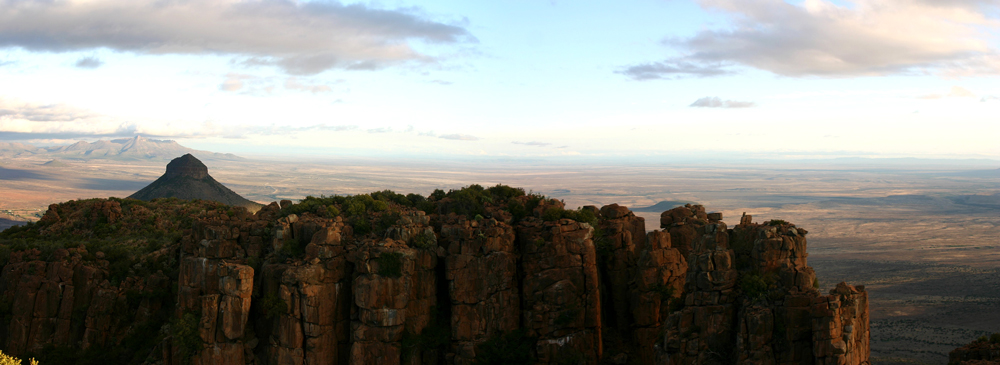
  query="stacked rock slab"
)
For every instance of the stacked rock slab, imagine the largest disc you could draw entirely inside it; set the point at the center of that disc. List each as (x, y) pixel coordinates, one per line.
(481, 270)
(383, 280)
(309, 299)
(560, 295)
(215, 284)
(840, 326)
(774, 322)
(788, 321)
(702, 332)
(64, 303)
(658, 282)
(323, 295)
(624, 235)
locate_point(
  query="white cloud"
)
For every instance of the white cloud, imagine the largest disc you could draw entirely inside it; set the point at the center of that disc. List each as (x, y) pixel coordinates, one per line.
(533, 143)
(459, 137)
(299, 37)
(293, 83)
(716, 102)
(956, 92)
(234, 82)
(821, 38)
(247, 84)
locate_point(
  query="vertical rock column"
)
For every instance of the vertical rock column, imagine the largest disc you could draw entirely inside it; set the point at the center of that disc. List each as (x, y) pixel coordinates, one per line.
(311, 301)
(40, 297)
(481, 269)
(382, 284)
(840, 326)
(562, 305)
(702, 332)
(659, 278)
(776, 328)
(219, 292)
(623, 235)
(421, 305)
(215, 286)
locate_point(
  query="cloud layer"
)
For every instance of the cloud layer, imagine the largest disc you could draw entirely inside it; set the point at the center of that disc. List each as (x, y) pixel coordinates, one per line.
(821, 38)
(716, 102)
(299, 37)
(459, 137)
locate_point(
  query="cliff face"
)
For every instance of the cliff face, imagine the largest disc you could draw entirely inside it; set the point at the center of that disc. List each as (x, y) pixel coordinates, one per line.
(374, 280)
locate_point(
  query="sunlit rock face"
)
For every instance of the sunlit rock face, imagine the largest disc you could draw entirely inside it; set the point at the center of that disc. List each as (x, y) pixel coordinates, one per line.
(366, 281)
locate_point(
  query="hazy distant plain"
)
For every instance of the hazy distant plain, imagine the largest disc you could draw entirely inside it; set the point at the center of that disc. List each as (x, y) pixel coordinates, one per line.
(924, 240)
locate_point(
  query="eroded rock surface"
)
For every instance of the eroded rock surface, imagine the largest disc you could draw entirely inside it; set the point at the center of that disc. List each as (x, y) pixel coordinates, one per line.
(512, 278)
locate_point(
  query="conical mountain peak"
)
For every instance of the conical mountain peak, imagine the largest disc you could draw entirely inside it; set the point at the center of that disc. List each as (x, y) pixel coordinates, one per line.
(187, 166)
(187, 178)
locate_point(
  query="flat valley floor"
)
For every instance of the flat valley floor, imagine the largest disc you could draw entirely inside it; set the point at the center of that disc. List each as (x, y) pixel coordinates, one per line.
(923, 239)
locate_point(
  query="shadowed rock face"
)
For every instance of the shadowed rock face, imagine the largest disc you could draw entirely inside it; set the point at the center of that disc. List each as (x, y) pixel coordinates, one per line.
(187, 178)
(256, 289)
(186, 166)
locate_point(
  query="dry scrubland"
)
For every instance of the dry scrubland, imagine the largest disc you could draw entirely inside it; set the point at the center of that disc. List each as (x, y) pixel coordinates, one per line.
(924, 241)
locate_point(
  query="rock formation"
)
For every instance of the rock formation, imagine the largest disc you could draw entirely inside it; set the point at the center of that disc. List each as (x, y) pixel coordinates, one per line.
(487, 276)
(187, 178)
(983, 351)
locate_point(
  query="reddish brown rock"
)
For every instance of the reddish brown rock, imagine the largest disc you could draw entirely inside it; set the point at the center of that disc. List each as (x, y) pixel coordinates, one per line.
(481, 269)
(382, 289)
(979, 352)
(683, 223)
(622, 235)
(659, 279)
(704, 328)
(560, 295)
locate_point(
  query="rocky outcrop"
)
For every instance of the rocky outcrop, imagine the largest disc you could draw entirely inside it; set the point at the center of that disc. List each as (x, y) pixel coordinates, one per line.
(984, 351)
(561, 303)
(382, 287)
(524, 280)
(62, 302)
(654, 292)
(702, 332)
(481, 273)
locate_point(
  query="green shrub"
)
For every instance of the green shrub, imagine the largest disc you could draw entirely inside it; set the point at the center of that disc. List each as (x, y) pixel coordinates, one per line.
(292, 247)
(754, 286)
(995, 338)
(423, 240)
(777, 222)
(272, 305)
(361, 226)
(186, 334)
(390, 264)
(552, 214)
(580, 215)
(515, 347)
(384, 222)
(666, 291)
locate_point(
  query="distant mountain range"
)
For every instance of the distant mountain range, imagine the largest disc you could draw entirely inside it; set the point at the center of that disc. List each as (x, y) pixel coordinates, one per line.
(136, 148)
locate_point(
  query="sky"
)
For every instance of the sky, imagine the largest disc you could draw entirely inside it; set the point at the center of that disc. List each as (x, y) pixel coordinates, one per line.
(513, 78)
